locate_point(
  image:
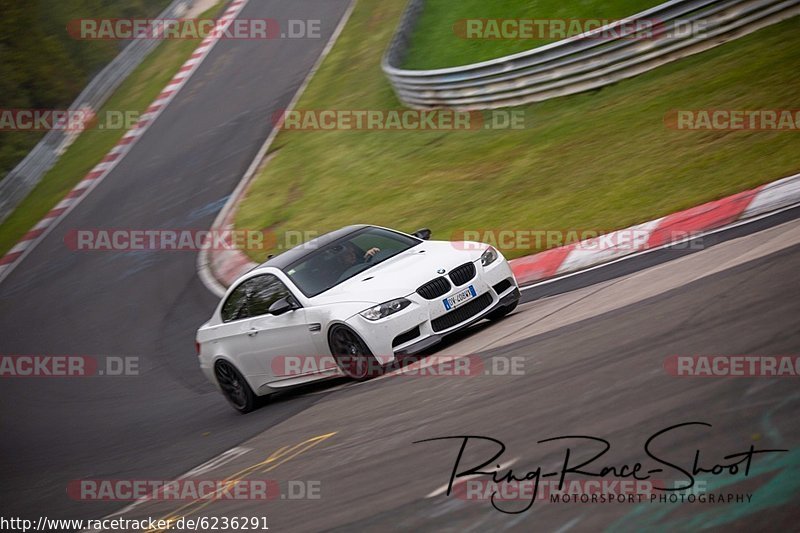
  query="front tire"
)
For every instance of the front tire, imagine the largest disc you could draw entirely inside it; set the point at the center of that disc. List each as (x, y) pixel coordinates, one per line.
(234, 387)
(352, 354)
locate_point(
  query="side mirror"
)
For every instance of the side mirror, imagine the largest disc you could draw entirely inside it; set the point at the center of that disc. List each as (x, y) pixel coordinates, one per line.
(284, 305)
(423, 234)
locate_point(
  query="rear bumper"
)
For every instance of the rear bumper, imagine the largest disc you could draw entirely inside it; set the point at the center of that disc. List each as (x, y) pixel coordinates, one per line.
(207, 368)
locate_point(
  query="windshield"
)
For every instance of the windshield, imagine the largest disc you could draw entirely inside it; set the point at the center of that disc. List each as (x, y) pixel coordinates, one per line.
(344, 258)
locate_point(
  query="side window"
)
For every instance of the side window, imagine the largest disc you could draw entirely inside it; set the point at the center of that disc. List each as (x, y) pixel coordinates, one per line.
(263, 292)
(235, 307)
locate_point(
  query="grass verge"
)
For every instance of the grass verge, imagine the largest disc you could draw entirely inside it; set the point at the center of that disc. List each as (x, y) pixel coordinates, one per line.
(134, 95)
(439, 38)
(597, 160)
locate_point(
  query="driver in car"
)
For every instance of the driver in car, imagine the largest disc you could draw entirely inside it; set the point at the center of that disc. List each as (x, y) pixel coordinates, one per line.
(349, 256)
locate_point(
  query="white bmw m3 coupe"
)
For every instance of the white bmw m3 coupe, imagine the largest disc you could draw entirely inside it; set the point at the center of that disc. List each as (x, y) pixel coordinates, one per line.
(359, 297)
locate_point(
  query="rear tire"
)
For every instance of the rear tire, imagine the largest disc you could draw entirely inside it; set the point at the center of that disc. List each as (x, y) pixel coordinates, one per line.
(234, 387)
(352, 354)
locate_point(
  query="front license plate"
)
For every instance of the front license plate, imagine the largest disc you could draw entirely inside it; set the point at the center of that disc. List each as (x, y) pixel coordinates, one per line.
(451, 302)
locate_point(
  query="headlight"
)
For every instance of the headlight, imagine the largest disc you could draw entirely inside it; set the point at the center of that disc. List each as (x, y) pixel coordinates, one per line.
(489, 256)
(385, 309)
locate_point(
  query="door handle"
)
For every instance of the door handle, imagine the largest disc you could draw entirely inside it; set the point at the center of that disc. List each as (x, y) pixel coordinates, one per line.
(252, 333)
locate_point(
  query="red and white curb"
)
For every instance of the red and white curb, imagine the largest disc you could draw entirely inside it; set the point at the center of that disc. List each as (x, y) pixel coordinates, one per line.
(226, 266)
(659, 232)
(29, 241)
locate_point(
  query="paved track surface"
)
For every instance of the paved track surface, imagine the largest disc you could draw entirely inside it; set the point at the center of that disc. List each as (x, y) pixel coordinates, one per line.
(592, 356)
(593, 364)
(147, 305)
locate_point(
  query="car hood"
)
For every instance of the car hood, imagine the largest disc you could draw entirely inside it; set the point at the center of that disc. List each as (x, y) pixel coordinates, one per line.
(402, 274)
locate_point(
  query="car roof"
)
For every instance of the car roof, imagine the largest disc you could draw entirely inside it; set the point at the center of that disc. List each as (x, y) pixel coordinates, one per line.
(291, 256)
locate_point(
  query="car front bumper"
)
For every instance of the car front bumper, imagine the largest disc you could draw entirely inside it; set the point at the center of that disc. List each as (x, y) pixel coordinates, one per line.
(427, 321)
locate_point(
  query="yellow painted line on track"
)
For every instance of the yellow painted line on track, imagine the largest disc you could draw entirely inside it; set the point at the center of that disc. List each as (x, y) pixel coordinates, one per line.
(273, 461)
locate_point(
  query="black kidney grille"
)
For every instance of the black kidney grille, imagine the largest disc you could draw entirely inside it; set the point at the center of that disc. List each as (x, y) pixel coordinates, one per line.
(463, 313)
(462, 274)
(434, 288)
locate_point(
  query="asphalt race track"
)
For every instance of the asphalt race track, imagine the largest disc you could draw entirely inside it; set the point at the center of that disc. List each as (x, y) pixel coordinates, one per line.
(592, 363)
(592, 350)
(147, 305)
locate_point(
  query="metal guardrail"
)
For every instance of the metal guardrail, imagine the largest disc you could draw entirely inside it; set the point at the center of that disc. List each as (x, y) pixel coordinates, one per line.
(24, 177)
(580, 62)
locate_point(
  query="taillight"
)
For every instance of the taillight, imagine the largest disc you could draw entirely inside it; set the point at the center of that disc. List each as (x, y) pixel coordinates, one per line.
(197, 347)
